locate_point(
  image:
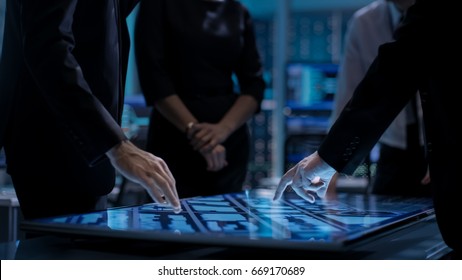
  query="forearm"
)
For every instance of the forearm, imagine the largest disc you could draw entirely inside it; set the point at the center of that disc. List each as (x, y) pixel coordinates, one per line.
(176, 112)
(114, 152)
(242, 110)
(47, 33)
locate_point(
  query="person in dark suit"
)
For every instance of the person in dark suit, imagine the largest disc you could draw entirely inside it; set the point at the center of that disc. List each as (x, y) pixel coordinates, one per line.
(416, 60)
(401, 145)
(187, 52)
(62, 74)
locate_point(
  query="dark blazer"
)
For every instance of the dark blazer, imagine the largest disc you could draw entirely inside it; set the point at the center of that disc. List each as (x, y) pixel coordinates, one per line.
(62, 75)
(417, 60)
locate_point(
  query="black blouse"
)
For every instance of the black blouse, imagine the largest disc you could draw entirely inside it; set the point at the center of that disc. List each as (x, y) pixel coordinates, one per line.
(192, 48)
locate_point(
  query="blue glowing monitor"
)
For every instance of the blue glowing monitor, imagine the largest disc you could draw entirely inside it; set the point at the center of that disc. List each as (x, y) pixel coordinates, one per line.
(249, 218)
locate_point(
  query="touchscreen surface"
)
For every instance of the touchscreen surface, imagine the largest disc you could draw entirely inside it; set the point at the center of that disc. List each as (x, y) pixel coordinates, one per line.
(246, 219)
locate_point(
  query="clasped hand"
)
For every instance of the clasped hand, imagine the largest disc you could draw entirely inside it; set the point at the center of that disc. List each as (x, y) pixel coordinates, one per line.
(308, 178)
(207, 138)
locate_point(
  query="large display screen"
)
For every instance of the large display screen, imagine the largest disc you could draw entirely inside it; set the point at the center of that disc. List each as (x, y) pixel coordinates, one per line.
(250, 218)
(311, 85)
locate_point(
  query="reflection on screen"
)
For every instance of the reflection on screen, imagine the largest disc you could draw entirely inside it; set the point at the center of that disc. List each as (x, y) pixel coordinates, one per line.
(253, 215)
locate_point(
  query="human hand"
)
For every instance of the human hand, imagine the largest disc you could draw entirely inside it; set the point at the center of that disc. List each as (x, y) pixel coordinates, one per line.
(308, 177)
(149, 171)
(216, 158)
(332, 193)
(205, 136)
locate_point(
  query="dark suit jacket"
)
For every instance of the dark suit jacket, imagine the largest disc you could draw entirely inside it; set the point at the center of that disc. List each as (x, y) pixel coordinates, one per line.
(417, 60)
(62, 74)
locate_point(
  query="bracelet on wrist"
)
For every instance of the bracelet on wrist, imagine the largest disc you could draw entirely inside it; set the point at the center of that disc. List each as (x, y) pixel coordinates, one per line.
(189, 126)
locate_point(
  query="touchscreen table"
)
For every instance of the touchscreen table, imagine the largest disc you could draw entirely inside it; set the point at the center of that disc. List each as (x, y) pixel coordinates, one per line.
(249, 218)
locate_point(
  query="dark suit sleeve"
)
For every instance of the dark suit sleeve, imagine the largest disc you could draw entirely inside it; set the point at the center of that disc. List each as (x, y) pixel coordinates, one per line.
(9, 66)
(391, 81)
(249, 70)
(48, 43)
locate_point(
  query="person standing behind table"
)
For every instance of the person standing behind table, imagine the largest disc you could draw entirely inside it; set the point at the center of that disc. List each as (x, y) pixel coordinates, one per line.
(62, 77)
(402, 166)
(414, 61)
(187, 52)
